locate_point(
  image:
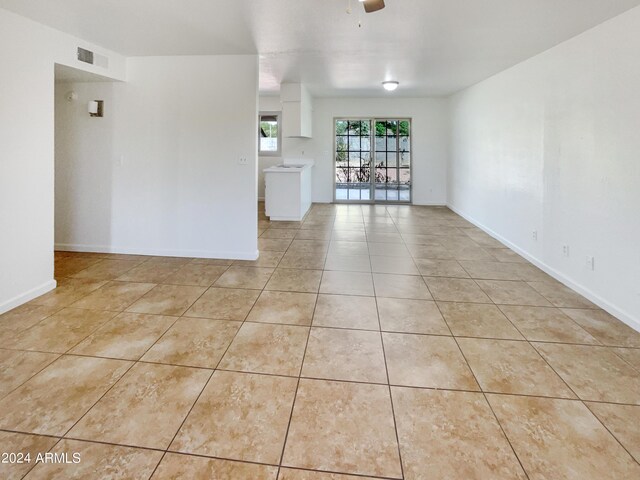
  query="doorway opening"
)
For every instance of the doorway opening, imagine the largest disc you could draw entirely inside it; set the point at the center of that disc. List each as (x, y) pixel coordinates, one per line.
(372, 160)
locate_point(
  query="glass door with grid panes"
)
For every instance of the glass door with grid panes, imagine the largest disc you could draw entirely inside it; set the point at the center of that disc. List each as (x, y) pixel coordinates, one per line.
(373, 160)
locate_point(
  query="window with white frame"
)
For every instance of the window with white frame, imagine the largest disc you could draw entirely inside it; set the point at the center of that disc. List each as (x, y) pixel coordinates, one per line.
(269, 135)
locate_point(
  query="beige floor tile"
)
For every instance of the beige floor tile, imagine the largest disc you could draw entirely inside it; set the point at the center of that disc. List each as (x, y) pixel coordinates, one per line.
(68, 291)
(434, 252)
(245, 277)
(505, 366)
(561, 439)
(384, 237)
(605, 328)
(224, 304)
(145, 408)
(489, 270)
(631, 355)
(67, 266)
(483, 239)
(128, 336)
(594, 373)
(455, 290)
(348, 248)
(17, 367)
(25, 445)
(283, 307)
(421, 239)
(622, 422)
(293, 474)
(197, 274)
(411, 316)
(451, 435)
(167, 300)
(426, 361)
(193, 342)
(267, 348)
(22, 318)
(305, 261)
(348, 263)
(310, 247)
(440, 268)
(505, 255)
(61, 331)
(336, 354)
(314, 234)
(347, 283)
(115, 296)
(54, 399)
(561, 296)
(107, 269)
(175, 261)
(400, 286)
(239, 416)
(343, 427)
(396, 250)
(288, 233)
(266, 259)
(544, 324)
(150, 272)
(349, 236)
(97, 462)
(175, 466)
(395, 265)
(295, 280)
(285, 224)
(214, 262)
(273, 244)
(530, 273)
(478, 320)
(344, 311)
(506, 292)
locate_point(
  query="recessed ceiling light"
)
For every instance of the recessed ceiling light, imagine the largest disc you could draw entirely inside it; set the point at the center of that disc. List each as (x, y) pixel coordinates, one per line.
(390, 86)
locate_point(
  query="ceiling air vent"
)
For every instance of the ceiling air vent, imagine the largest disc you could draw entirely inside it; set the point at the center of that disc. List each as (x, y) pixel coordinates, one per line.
(85, 56)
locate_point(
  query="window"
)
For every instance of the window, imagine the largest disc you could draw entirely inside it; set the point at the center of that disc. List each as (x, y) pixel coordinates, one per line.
(269, 134)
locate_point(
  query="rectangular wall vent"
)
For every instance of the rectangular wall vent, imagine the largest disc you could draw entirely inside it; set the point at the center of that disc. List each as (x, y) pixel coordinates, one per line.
(85, 56)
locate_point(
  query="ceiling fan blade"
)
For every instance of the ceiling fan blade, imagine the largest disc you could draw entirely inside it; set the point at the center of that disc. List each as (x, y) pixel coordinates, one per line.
(373, 5)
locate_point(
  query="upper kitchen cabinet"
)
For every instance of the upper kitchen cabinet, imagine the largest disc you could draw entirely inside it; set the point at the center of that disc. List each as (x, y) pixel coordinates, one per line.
(297, 110)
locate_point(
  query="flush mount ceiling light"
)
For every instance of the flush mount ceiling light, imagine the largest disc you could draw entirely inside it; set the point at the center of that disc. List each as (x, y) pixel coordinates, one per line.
(390, 85)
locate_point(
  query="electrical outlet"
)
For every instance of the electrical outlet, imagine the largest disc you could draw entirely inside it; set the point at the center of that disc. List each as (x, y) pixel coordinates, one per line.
(565, 250)
(590, 262)
(242, 161)
(534, 235)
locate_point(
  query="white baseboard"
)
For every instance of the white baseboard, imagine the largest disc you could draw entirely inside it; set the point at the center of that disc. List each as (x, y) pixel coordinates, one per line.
(66, 247)
(617, 312)
(27, 296)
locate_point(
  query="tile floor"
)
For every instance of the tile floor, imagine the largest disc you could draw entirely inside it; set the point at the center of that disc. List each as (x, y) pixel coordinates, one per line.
(366, 342)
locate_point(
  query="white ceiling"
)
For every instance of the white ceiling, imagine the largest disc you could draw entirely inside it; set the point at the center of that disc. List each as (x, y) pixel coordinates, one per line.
(433, 47)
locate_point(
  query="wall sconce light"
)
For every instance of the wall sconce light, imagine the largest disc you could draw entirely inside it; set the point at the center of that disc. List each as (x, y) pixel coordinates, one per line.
(96, 108)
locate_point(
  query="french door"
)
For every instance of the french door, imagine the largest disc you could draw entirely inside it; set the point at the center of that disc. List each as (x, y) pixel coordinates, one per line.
(372, 160)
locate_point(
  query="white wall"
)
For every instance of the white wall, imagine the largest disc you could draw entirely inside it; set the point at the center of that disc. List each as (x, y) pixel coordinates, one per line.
(430, 141)
(28, 52)
(160, 173)
(553, 145)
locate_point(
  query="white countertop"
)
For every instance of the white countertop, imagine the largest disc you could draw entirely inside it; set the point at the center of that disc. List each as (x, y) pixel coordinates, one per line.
(291, 165)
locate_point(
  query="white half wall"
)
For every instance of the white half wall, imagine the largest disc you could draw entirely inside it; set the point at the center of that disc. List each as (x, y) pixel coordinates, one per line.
(552, 145)
(160, 173)
(28, 54)
(430, 141)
